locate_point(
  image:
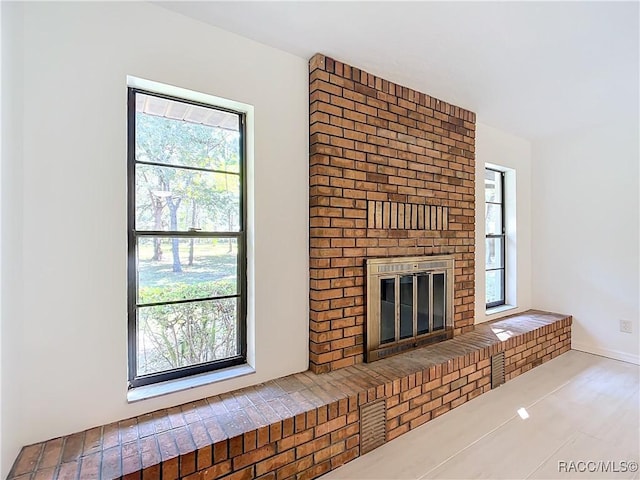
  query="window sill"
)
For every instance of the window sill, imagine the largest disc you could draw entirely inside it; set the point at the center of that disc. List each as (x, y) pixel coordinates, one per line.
(499, 309)
(172, 386)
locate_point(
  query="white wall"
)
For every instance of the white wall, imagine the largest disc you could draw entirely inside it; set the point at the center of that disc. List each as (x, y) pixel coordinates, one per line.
(4, 37)
(3, 71)
(496, 147)
(11, 239)
(67, 207)
(585, 234)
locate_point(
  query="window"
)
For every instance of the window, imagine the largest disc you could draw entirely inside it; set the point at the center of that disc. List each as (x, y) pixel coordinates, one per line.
(495, 237)
(186, 238)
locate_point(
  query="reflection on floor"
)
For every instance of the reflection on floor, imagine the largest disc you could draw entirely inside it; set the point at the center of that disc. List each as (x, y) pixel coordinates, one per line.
(573, 417)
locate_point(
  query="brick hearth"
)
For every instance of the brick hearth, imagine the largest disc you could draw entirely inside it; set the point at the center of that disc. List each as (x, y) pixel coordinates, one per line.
(303, 425)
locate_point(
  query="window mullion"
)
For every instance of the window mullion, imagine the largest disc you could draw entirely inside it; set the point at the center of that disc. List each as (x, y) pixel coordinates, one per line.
(189, 300)
(188, 234)
(185, 167)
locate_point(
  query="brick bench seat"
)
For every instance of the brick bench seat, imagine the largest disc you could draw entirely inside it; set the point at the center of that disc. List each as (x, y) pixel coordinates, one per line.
(302, 425)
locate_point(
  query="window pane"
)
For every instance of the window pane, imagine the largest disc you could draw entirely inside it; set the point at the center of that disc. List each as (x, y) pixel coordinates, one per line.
(494, 286)
(492, 186)
(387, 310)
(175, 199)
(178, 133)
(423, 304)
(494, 252)
(439, 301)
(493, 219)
(186, 268)
(184, 334)
(406, 306)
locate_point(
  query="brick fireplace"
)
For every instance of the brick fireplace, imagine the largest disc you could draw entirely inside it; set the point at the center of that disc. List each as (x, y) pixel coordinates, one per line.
(391, 175)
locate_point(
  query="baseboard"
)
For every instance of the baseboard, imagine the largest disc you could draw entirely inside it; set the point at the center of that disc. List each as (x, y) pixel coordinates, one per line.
(605, 352)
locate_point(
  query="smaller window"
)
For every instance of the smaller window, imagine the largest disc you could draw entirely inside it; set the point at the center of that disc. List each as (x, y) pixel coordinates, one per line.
(495, 238)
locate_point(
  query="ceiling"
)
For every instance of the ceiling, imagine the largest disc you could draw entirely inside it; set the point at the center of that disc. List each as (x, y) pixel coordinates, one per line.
(530, 68)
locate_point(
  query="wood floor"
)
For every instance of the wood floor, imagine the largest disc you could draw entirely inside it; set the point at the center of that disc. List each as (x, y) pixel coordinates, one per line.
(582, 409)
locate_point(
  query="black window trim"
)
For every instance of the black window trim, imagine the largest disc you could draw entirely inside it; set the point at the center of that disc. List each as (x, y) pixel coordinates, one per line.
(135, 380)
(503, 236)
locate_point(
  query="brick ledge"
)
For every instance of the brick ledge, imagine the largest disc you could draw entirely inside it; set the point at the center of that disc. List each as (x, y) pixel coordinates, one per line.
(302, 425)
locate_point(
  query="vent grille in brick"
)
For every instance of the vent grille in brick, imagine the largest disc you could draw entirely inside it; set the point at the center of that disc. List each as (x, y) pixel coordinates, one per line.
(373, 420)
(497, 370)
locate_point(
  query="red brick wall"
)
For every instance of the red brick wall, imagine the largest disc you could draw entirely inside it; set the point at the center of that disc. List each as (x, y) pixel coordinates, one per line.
(535, 348)
(373, 142)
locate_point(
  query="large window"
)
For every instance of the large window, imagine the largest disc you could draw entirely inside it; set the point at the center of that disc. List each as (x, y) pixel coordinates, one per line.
(186, 242)
(495, 237)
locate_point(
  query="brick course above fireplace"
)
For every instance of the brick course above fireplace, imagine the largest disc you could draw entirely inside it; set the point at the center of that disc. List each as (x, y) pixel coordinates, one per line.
(391, 174)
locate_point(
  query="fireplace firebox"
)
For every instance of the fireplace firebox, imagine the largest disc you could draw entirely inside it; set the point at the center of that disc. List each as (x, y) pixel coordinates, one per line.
(409, 303)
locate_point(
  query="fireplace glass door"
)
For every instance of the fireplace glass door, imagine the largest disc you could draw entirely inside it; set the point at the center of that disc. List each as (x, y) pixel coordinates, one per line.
(387, 310)
(409, 303)
(412, 305)
(406, 306)
(424, 307)
(439, 300)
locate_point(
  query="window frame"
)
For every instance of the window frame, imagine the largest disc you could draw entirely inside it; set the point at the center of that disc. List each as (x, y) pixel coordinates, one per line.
(135, 380)
(503, 236)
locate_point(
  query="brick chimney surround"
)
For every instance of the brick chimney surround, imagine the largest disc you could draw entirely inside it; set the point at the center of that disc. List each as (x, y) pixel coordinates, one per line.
(392, 174)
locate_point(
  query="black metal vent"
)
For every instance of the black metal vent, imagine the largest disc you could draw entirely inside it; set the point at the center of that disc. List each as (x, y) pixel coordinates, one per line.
(373, 425)
(497, 370)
